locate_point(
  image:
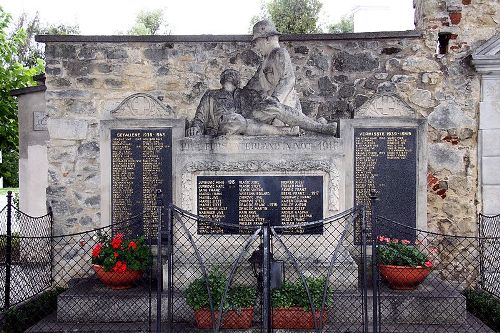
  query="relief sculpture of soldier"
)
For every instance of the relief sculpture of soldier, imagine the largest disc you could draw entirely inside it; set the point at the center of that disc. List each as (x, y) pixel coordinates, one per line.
(268, 104)
(218, 113)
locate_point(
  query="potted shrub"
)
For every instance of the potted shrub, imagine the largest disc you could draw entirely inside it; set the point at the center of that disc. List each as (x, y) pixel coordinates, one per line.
(291, 307)
(402, 264)
(119, 262)
(238, 305)
(16, 247)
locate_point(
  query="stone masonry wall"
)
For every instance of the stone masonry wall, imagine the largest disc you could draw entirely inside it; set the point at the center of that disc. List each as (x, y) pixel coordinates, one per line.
(88, 77)
(453, 164)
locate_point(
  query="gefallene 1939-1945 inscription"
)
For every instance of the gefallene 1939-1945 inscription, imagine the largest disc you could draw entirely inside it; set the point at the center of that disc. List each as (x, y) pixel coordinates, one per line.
(254, 200)
(141, 163)
(385, 162)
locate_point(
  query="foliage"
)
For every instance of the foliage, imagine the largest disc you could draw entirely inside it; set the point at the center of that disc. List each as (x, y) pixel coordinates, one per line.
(295, 294)
(346, 24)
(13, 75)
(485, 306)
(292, 16)
(401, 253)
(9, 168)
(118, 254)
(149, 22)
(16, 241)
(19, 319)
(238, 297)
(30, 51)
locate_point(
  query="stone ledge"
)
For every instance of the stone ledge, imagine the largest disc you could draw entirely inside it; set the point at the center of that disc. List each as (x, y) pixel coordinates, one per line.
(222, 38)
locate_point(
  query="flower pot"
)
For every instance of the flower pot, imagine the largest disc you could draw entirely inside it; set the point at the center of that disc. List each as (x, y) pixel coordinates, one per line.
(296, 318)
(230, 319)
(115, 280)
(403, 277)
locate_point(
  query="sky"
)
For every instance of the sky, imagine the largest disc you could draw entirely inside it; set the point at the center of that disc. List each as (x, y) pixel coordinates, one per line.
(196, 17)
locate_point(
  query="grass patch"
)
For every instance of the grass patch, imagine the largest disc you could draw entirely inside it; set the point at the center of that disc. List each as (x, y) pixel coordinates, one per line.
(484, 306)
(19, 319)
(3, 191)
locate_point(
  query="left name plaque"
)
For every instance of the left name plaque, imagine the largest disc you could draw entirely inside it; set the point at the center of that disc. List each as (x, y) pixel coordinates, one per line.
(141, 163)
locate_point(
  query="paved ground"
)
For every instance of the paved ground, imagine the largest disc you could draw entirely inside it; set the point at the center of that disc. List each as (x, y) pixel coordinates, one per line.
(26, 282)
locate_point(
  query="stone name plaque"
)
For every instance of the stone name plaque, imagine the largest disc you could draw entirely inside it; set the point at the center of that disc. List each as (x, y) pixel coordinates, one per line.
(385, 161)
(254, 200)
(141, 163)
(40, 120)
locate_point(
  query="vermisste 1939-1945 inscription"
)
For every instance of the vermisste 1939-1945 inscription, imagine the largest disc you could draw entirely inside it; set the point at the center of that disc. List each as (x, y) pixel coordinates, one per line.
(385, 162)
(141, 163)
(254, 200)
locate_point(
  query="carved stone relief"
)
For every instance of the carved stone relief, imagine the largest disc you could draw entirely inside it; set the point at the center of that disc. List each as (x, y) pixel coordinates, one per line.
(384, 106)
(142, 106)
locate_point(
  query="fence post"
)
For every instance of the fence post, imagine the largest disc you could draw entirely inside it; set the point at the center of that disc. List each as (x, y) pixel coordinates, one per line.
(8, 250)
(159, 264)
(364, 266)
(373, 199)
(170, 268)
(51, 217)
(266, 279)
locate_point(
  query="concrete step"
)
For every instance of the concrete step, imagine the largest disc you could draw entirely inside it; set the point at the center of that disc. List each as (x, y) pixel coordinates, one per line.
(50, 324)
(434, 302)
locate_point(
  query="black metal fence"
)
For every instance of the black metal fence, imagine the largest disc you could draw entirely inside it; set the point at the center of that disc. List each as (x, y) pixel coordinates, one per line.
(489, 231)
(205, 275)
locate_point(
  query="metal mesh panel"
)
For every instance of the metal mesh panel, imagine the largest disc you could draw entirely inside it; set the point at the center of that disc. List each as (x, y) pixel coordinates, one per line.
(489, 228)
(438, 303)
(325, 268)
(199, 257)
(62, 265)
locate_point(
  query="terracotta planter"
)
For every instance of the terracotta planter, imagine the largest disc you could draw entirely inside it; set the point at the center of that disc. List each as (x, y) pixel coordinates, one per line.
(230, 319)
(295, 318)
(116, 280)
(403, 277)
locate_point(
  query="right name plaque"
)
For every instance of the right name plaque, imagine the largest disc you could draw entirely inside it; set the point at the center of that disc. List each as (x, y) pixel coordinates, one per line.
(385, 161)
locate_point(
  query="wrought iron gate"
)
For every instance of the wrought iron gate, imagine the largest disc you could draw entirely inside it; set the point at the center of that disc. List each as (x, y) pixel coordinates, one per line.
(300, 275)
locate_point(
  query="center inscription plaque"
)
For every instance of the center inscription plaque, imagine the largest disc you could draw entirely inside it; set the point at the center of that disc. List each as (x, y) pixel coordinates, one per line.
(385, 161)
(141, 163)
(254, 200)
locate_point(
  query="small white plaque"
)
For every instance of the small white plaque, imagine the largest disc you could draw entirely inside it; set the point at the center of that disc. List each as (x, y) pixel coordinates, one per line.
(40, 121)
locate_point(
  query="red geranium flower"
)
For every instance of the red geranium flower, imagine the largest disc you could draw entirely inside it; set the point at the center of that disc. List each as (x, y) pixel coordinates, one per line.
(132, 245)
(97, 250)
(405, 241)
(428, 264)
(120, 267)
(115, 254)
(117, 241)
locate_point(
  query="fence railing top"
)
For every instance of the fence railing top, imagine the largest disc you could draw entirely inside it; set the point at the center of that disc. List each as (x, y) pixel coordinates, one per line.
(431, 232)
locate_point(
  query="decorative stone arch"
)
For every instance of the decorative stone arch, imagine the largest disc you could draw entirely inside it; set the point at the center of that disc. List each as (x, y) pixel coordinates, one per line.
(385, 105)
(486, 60)
(142, 106)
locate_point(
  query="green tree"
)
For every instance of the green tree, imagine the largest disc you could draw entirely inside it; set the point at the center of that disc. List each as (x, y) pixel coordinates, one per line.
(150, 22)
(30, 51)
(346, 24)
(13, 75)
(292, 16)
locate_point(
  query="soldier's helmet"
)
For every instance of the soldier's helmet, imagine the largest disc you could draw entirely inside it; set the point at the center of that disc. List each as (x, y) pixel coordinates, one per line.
(264, 29)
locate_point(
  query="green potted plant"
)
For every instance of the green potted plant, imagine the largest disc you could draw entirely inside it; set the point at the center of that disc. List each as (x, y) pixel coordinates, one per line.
(291, 308)
(402, 264)
(16, 247)
(238, 306)
(120, 262)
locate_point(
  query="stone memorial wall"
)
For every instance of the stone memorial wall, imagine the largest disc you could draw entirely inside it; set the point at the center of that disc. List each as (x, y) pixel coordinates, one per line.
(352, 77)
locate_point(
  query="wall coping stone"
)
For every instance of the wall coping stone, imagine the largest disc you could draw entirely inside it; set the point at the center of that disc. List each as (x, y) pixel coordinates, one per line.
(27, 90)
(222, 38)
